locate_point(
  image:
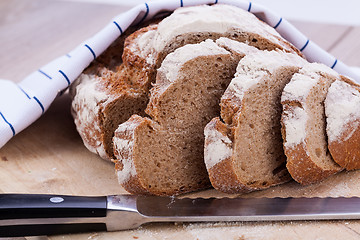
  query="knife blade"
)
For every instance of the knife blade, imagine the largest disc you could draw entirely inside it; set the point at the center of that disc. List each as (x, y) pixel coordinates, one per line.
(38, 214)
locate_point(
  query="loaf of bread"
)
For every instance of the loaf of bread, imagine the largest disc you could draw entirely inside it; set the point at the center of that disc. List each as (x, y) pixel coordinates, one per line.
(342, 109)
(245, 152)
(110, 91)
(151, 104)
(304, 124)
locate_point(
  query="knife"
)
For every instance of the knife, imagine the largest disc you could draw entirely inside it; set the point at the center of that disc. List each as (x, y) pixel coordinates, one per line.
(38, 214)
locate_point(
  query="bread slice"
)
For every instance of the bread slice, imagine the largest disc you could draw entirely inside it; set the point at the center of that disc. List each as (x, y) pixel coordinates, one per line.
(114, 88)
(304, 124)
(342, 109)
(167, 150)
(245, 153)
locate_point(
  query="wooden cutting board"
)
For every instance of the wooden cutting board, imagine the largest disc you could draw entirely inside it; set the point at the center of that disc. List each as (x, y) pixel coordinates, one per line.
(49, 157)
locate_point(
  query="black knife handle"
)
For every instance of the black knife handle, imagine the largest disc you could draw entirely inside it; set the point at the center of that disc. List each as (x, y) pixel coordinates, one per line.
(49, 229)
(19, 211)
(20, 206)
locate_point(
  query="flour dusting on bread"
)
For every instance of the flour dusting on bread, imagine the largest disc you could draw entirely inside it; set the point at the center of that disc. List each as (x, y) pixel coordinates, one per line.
(219, 147)
(297, 91)
(123, 146)
(342, 107)
(295, 124)
(218, 18)
(185, 54)
(304, 124)
(86, 103)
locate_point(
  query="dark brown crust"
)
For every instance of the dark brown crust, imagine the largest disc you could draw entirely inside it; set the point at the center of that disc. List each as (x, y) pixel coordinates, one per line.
(141, 73)
(346, 152)
(302, 169)
(299, 163)
(120, 81)
(222, 175)
(133, 184)
(224, 179)
(350, 82)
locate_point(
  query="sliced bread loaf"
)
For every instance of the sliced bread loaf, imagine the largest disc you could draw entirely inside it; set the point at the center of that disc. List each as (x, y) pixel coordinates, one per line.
(113, 89)
(245, 153)
(342, 109)
(166, 152)
(304, 124)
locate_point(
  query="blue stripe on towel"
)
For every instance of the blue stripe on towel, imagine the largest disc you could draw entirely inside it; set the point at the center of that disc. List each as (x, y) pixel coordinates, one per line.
(181, 3)
(216, 1)
(334, 63)
(278, 23)
(11, 126)
(147, 12)
(118, 26)
(43, 73)
(24, 92)
(93, 53)
(64, 75)
(249, 9)
(307, 42)
(40, 104)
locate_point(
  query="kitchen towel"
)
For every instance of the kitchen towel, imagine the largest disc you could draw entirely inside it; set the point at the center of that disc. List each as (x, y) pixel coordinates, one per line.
(24, 102)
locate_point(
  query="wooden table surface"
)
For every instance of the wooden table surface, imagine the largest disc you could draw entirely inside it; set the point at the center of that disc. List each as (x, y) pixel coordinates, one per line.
(49, 157)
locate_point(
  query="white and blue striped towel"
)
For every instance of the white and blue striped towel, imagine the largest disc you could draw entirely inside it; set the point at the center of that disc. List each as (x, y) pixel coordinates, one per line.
(21, 104)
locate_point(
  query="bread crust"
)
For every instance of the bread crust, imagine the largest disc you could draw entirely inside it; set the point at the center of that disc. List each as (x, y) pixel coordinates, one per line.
(304, 163)
(346, 149)
(130, 180)
(222, 175)
(123, 81)
(302, 168)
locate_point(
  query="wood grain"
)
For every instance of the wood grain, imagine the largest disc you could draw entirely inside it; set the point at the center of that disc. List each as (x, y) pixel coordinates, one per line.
(348, 48)
(36, 32)
(326, 36)
(49, 157)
